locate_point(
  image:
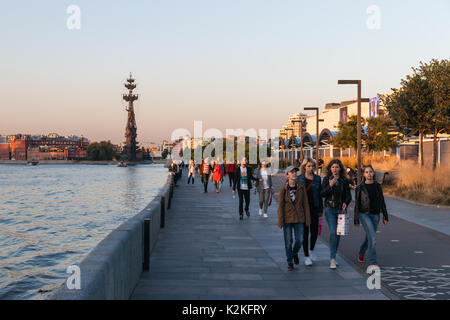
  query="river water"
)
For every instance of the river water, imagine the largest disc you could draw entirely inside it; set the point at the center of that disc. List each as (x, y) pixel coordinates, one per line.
(52, 216)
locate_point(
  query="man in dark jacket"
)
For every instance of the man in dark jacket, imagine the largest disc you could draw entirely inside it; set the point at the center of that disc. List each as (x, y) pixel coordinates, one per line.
(243, 177)
(293, 215)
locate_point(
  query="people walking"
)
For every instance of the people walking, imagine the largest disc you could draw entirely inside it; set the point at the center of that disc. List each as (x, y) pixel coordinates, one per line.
(217, 175)
(319, 166)
(191, 172)
(173, 169)
(222, 166)
(206, 170)
(369, 203)
(231, 167)
(243, 183)
(350, 176)
(293, 215)
(180, 169)
(313, 186)
(337, 196)
(263, 185)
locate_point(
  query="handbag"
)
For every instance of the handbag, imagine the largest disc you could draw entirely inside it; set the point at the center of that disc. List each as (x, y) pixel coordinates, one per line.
(320, 226)
(270, 200)
(342, 225)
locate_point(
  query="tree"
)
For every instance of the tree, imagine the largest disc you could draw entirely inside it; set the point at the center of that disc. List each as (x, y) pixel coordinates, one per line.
(437, 73)
(378, 137)
(411, 107)
(99, 151)
(348, 133)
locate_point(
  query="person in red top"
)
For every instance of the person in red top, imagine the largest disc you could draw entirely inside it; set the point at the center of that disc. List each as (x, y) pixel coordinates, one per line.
(231, 168)
(217, 175)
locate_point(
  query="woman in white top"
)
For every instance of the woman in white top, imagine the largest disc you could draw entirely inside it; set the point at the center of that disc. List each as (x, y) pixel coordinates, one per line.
(191, 172)
(264, 186)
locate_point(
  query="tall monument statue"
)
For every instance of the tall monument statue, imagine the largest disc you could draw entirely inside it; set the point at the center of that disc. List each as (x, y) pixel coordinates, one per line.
(130, 131)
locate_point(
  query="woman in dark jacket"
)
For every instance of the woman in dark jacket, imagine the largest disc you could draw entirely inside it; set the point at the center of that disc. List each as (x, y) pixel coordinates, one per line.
(369, 203)
(337, 196)
(313, 185)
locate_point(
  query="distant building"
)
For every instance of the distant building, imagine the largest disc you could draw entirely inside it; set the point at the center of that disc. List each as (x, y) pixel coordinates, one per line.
(43, 147)
(5, 152)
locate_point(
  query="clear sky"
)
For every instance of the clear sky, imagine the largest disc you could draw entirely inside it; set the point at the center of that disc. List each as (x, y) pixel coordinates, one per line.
(233, 64)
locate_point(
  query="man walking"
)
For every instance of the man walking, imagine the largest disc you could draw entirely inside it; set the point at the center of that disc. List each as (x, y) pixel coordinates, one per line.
(243, 181)
(205, 174)
(293, 215)
(231, 168)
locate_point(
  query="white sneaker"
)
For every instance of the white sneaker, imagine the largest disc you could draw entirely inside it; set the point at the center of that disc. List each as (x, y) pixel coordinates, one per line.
(333, 264)
(312, 255)
(260, 212)
(265, 215)
(308, 261)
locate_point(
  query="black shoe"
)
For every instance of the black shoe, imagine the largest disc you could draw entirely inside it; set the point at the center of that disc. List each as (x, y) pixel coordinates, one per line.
(290, 266)
(241, 217)
(296, 261)
(247, 213)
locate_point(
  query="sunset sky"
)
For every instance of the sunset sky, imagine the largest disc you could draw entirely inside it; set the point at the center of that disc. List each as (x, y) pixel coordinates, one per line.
(232, 64)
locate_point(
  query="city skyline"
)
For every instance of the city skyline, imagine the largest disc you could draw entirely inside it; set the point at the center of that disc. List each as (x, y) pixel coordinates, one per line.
(232, 65)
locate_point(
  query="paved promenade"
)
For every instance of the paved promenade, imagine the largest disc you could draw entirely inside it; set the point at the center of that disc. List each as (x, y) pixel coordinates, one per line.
(206, 252)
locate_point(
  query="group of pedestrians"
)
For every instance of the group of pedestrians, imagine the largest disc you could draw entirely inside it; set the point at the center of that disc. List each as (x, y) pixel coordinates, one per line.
(241, 178)
(304, 198)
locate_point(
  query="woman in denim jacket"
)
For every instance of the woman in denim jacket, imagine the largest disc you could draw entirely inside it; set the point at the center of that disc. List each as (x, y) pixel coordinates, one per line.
(313, 185)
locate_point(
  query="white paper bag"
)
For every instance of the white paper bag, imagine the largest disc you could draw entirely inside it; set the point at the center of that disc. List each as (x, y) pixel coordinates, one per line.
(342, 225)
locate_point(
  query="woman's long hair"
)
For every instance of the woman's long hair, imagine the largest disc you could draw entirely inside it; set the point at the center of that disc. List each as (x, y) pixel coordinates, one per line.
(341, 166)
(305, 162)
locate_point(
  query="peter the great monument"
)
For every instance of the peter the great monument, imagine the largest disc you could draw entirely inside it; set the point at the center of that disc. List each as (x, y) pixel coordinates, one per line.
(130, 131)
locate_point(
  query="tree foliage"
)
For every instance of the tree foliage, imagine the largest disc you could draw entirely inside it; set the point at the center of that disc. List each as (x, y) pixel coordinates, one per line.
(378, 137)
(422, 104)
(98, 151)
(348, 133)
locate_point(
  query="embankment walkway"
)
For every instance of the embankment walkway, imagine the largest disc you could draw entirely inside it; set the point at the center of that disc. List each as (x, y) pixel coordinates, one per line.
(206, 252)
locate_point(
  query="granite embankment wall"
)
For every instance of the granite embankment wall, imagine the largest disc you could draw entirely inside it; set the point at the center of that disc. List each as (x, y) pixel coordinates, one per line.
(112, 269)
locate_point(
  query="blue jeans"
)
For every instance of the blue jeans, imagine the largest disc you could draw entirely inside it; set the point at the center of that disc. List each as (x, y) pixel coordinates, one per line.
(298, 234)
(332, 216)
(370, 223)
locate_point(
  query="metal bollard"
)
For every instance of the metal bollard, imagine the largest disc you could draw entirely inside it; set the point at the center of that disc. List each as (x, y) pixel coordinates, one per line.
(163, 212)
(146, 264)
(170, 197)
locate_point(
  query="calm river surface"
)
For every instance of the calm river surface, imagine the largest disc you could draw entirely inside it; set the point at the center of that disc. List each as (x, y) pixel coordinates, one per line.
(52, 216)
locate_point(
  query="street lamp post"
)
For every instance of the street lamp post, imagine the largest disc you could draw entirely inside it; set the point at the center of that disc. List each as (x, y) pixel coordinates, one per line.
(290, 138)
(301, 138)
(317, 129)
(358, 123)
